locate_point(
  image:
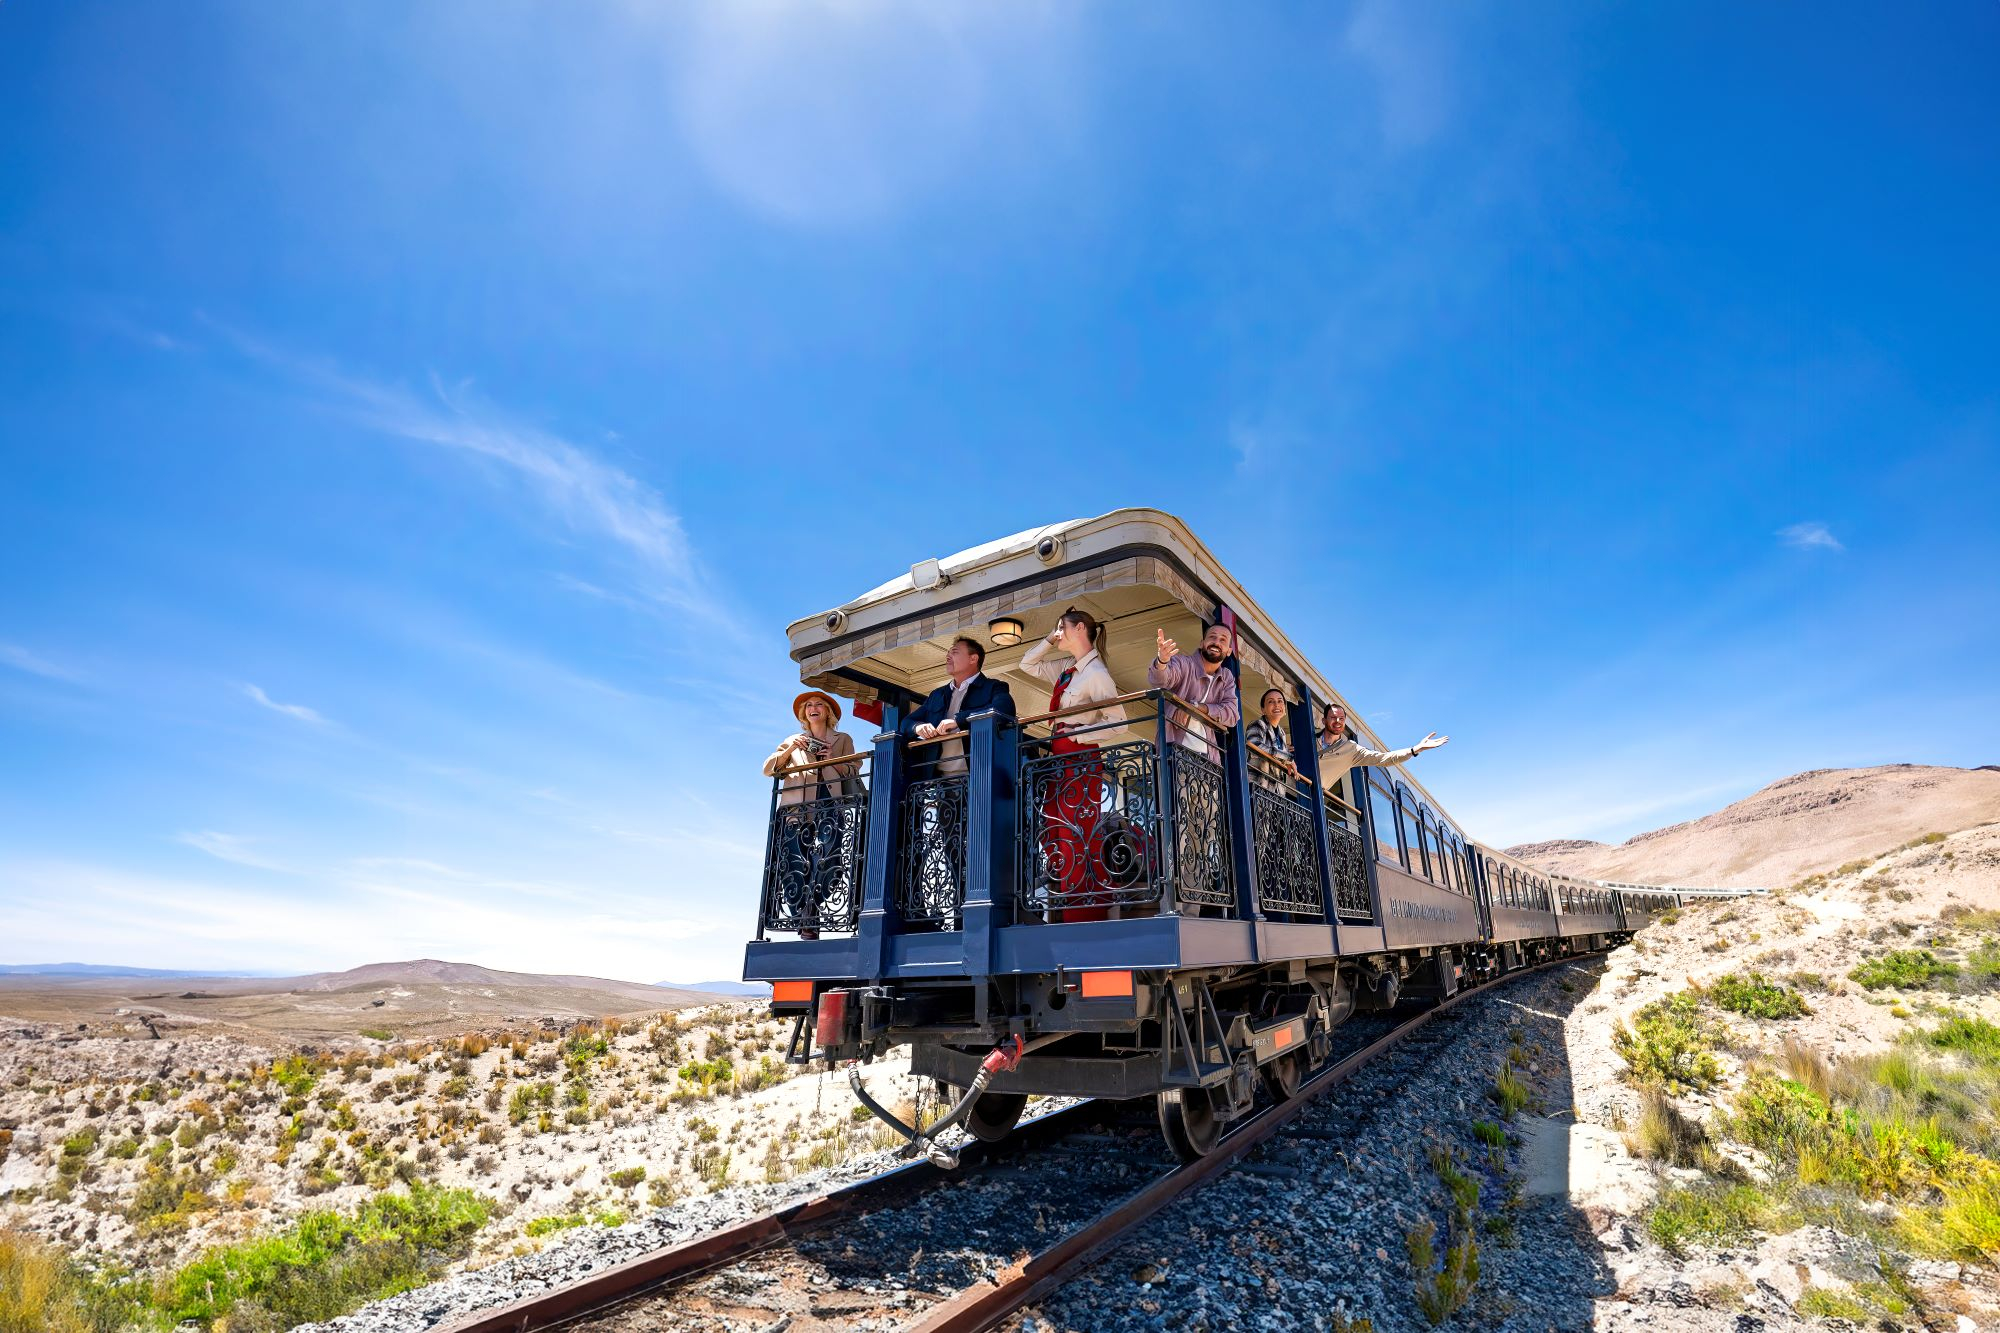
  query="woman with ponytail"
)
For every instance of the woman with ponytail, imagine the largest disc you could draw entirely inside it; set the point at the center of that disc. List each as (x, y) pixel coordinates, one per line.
(1069, 850)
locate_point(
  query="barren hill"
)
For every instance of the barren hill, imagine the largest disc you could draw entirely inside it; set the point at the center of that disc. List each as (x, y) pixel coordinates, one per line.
(1796, 826)
(419, 996)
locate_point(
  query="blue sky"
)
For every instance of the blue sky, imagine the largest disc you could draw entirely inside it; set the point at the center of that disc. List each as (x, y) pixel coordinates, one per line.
(417, 424)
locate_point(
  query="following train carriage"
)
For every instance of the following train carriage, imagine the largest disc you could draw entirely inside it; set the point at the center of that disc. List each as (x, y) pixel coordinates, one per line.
(1038, 905)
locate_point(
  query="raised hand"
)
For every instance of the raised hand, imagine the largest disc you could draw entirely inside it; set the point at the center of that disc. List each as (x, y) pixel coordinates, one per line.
(1430, 742)
(1167, 646)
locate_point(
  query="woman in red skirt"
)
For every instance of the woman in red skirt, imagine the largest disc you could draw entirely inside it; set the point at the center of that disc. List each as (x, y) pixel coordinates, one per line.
(1068, 659)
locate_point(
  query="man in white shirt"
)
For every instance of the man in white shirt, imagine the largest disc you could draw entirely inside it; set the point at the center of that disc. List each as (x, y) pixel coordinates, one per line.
(1338, 753)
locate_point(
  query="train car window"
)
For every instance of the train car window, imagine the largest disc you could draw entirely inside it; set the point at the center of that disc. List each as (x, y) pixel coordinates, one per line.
(1382, 813)
(1406, 828)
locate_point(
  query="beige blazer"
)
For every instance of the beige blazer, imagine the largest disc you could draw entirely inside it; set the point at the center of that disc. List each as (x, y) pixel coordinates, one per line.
(798, 788)
(1091, 683)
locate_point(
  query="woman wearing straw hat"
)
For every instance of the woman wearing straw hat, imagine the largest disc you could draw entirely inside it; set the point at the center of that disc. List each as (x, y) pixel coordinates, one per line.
(810, 840)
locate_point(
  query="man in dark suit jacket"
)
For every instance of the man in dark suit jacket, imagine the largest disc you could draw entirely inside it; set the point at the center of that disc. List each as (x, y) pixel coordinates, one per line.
(968, 691)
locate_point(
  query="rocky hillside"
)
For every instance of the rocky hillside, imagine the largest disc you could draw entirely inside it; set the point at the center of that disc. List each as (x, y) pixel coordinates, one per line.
(1786, 1104)
(1794, 827)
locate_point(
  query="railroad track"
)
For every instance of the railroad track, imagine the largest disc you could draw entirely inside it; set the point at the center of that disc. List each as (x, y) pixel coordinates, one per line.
(896, 1262)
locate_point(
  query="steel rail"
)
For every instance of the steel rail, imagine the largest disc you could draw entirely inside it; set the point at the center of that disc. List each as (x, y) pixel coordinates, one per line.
(980, 1308)
(700, 1254)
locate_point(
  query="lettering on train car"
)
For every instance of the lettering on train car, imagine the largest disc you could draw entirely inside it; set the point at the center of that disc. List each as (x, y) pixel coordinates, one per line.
(1422, 911)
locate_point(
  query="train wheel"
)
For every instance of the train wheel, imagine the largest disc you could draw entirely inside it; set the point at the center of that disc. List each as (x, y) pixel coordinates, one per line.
(993, 1117)
(1188, 1119)
(1283, 1075)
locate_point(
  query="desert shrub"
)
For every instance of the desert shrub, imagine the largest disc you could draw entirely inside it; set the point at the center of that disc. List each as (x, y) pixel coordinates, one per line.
(1904, 969)
(327, 1263)
(1807, 981)
(1705, 1214)
(1663, 1134)
(164, 1198)
(1750, 994)
(1978, 920)
(1973, 1037)
(626, 1177)
(1670, 1044)
(42, 1290)
(1509, 1091)
(378, 1034)
(296, 1074)
(528, 1098)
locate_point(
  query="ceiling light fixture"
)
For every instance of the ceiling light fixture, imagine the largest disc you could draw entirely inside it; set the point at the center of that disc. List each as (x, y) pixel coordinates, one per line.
(1006, 631)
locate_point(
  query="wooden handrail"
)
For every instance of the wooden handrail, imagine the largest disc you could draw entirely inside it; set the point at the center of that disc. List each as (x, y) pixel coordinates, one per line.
(853, 757)
(1278, 762)
(1331, 799)
(1194, 710)
(1115, 701)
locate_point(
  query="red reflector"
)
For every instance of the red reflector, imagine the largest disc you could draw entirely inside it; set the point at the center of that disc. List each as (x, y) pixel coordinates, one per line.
(1281, 1039)
(1104, 985)
(832, 1018)
(792, 992)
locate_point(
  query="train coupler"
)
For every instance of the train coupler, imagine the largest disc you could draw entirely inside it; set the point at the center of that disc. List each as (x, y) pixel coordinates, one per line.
(1003, 1058)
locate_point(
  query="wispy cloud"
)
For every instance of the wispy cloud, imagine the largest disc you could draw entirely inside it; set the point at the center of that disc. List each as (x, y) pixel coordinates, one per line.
(1809, 536)
(299, 711)
(21, 659)
(1409, 68)
(230, 847)
(593, 497)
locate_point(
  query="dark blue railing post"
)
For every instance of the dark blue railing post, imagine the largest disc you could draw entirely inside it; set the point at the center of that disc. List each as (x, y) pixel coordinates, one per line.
(993, 763)
(1166, 803)
(1305, 753)
(1236, 788)
(880, 915)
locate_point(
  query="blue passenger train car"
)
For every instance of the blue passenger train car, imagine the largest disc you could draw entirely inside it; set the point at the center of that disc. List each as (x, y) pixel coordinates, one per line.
(1113, 909)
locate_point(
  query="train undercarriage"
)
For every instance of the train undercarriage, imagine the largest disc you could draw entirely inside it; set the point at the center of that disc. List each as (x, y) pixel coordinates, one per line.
(1200, 1042)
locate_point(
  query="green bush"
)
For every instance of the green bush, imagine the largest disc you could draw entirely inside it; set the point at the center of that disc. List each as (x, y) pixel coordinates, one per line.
(1904, 969)
(328, 1263)
(1490, 1134)
(1670, 1044)
(1972, 1037)
(42, 1290)
(1704, 1214)
(627, 1177)
(1752, 995)
(378, 1034)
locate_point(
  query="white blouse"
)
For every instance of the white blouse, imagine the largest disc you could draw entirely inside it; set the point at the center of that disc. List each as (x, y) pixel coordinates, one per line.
(1090, 683)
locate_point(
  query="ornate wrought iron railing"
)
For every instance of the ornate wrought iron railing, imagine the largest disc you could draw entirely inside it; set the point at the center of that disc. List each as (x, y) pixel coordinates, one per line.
(1130, 825)
(1287, 862)
(1347, 858)
(1201, 871)
(813, 863)
(1089, 835)
(930, 872)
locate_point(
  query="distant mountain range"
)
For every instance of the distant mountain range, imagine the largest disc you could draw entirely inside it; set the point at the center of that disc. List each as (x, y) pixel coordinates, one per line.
(753, 988)
(108, 970)
(1797, 825)
(413, 972)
